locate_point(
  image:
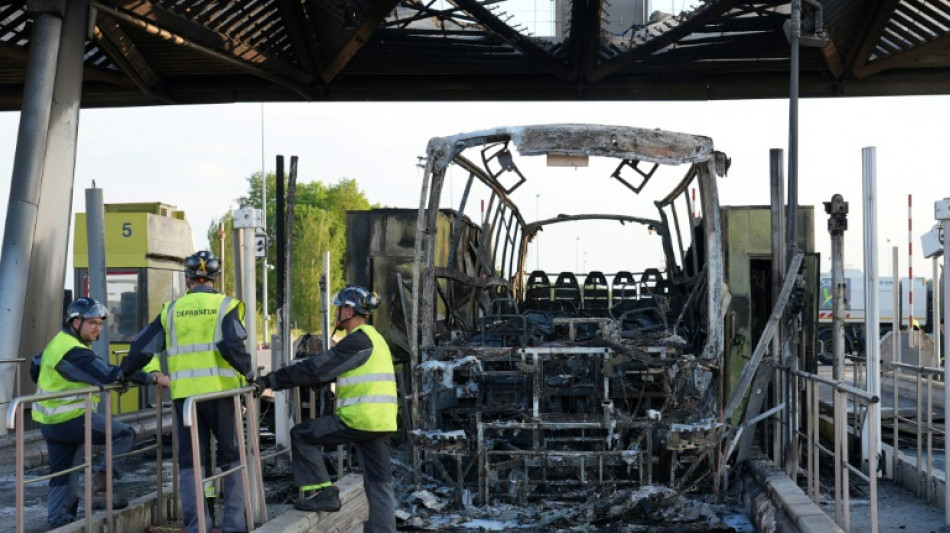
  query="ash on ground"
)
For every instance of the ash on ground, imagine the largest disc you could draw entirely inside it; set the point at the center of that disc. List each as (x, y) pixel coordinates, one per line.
(434, 506)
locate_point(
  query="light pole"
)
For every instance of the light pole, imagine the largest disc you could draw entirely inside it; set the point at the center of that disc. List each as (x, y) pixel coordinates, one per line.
(264, 315)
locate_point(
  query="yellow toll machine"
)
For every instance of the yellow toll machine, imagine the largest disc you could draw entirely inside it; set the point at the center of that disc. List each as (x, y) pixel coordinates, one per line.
(146, 245)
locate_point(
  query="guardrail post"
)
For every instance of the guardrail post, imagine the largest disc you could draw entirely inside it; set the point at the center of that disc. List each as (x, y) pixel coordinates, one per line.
(254, 460)
(14, 421)
(18, 427)
(160, 486)
(919, 486)
(87, 454)
(107, 402)
(189, 412)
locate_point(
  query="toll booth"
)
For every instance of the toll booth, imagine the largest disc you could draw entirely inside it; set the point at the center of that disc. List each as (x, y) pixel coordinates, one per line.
(747, 246)
(146, 245)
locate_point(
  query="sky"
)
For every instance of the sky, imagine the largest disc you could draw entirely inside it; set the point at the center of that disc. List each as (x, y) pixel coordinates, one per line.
(198, 158)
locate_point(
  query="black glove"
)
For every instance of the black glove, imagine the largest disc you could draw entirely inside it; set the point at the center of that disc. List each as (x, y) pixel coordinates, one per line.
(260, 385)
(123, 382)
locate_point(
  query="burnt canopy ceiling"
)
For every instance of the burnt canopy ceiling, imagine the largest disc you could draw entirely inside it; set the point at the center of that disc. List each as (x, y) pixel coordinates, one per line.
(147, 52)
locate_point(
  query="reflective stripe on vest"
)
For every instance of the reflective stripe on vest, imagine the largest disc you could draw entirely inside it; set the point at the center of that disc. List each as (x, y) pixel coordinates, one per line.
(367, 399)
(67, 407)
(365, 378)
(57, 410)
(194, 363)
(366, 395)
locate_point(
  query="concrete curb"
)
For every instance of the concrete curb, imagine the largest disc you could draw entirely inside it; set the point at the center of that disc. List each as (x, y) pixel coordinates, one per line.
(789, 497)
(349, 518)
(135, 517)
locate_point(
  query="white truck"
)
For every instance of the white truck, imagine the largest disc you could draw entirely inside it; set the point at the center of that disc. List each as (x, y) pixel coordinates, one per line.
(855, 309)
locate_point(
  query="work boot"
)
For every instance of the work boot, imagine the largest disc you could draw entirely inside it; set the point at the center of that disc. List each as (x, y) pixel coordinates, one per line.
(326, 499)
(99, 494)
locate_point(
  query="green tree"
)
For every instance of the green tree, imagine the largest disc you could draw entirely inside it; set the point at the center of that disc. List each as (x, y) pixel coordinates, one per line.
(319, 225)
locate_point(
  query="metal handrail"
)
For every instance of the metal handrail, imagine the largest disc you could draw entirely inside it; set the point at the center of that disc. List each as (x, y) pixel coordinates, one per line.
(923, 488)
(14, 421)
(841, 391)
(189, 414)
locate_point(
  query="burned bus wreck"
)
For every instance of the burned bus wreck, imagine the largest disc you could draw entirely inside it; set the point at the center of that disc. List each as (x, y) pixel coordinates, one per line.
(570, 386)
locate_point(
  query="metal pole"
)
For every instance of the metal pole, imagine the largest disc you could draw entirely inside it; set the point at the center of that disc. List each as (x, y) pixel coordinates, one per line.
(935, 325)
(872, 315)
(253, 461)
(264, 312)
(910, 274)
(895, 316)
(25, 185)
(840, 429)
(283, 410)
(942, 213)
(872, 463)
(107, 409)
(238, 254)
(896, 356)
(245, 219)
(96, 239)
(796, 31)
(777, 188)
(895, 381)
(20, 491)
(837, 210)
(196, 468)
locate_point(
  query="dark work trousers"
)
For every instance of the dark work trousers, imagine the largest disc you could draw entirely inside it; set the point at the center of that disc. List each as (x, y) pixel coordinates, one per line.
(214, 417)
(373, 449)
(64, 443)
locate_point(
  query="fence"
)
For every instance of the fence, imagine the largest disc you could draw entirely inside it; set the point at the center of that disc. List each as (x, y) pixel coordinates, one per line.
(255, 508)
(843, 395)
(15, 421)
(925, 486)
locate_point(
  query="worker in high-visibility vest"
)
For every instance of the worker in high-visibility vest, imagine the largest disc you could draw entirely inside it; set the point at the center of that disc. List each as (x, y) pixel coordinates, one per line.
(68, 363)
(202, 337)
(362, 366)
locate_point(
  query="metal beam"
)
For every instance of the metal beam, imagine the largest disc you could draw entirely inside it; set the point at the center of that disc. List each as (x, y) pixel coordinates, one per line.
(157, 20)
(89, 73)
(585, 38)
(238, 55)
(295, 21)
(119, 47)
(357, 39)
(903, 59)
(872, 33)
(700, 18)
(523, 43)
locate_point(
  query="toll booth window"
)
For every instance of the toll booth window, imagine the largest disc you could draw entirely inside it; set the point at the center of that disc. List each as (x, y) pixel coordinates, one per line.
(124, 305)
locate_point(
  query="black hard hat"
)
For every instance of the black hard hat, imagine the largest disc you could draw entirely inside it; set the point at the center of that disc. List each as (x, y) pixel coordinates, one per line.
(202, 264)
(86, 308)
(360, 299)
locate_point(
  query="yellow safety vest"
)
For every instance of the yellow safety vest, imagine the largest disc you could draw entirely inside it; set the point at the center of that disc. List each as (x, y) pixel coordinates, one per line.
(366, 395)
(192, 326)
(59, 409)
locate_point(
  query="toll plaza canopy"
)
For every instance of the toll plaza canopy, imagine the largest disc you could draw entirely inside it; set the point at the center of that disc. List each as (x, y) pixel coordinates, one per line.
(152, 52)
